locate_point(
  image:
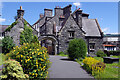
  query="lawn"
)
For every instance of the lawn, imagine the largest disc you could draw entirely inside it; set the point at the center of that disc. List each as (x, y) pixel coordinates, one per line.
(111, 70)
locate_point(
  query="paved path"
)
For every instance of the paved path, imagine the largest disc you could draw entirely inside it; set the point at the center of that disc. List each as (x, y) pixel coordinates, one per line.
(62, 67)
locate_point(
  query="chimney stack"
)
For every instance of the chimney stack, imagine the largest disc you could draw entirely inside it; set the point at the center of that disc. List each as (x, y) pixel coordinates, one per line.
(20, 13)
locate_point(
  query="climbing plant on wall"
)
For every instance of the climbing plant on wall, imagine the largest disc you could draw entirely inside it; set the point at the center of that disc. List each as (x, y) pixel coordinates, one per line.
(27, 35)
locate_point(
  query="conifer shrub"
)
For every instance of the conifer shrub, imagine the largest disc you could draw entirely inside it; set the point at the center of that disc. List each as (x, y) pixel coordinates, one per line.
(77, 49)
(12, 70)
(33, 58)
(7, 44)
(100, 53)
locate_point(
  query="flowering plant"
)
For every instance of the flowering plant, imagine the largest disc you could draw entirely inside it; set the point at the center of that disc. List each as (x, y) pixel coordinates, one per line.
(93, 66)
(33, 58)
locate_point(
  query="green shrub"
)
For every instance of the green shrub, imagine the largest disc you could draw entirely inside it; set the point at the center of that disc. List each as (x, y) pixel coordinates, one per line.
(77, 49)
(33, 58)
(12, 70)
(100, 53)
(116, 53)
(7, 44)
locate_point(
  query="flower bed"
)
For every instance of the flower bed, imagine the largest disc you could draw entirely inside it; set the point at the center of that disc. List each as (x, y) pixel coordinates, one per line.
(33, 58)
(93, 66)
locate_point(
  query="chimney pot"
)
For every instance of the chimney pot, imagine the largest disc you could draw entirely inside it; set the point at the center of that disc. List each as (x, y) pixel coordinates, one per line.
(20, 7)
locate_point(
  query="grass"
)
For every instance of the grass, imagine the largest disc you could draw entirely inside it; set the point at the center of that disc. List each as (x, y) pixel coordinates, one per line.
(111, 70)
(64, 55)
(2, 58)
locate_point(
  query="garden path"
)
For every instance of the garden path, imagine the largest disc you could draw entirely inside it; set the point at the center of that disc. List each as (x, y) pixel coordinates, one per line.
(62, 67)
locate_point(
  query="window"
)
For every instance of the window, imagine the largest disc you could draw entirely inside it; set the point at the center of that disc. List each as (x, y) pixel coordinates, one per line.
(92, 46)
(71, 34)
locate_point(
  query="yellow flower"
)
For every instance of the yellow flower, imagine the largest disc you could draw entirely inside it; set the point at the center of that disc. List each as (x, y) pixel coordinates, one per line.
(37, 66)
(38, 69)
(40, 52)
(26, 47)
(37, 49)
(21, 60)
(36, 74)
(26, 61)
(17, 53)
(32, 73)
(41, 74)
(21, 55)
(35, 70)
(32, 52)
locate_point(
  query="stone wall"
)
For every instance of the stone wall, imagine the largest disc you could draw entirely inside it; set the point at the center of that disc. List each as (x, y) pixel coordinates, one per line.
(15, 32)
(64, 33)
(98, 43)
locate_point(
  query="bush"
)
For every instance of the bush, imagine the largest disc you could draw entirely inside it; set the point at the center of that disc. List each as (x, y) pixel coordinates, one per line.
(77, 49)
(116, 53)
(93, 66)
(7, 44)
(33, 58)
(100, 54)
(12, 70)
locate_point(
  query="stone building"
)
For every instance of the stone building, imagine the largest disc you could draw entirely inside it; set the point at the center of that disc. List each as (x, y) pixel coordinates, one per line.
(55, 31)
(17, 27)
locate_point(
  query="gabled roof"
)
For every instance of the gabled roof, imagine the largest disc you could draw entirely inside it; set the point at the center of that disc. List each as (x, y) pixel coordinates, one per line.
(30, 25)
(91, 27)
(75, 22)
(41, 19)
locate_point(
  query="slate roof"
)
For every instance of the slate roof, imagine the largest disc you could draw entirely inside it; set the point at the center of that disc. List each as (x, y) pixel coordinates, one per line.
(91, 28)
(41, 21)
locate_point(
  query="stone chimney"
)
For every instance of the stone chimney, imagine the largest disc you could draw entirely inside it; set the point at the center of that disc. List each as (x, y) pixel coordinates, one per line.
(20, 13)
(79, 17)
(58, 11)
(48, 12)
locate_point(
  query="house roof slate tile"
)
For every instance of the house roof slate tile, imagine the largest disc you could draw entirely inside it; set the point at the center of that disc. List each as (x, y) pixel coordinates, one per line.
(91, 28)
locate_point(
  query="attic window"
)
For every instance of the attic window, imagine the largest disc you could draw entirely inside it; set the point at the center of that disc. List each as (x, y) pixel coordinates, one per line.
(71, 34)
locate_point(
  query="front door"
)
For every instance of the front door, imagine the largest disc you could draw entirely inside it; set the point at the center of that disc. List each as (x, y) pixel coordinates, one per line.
(50, 49)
